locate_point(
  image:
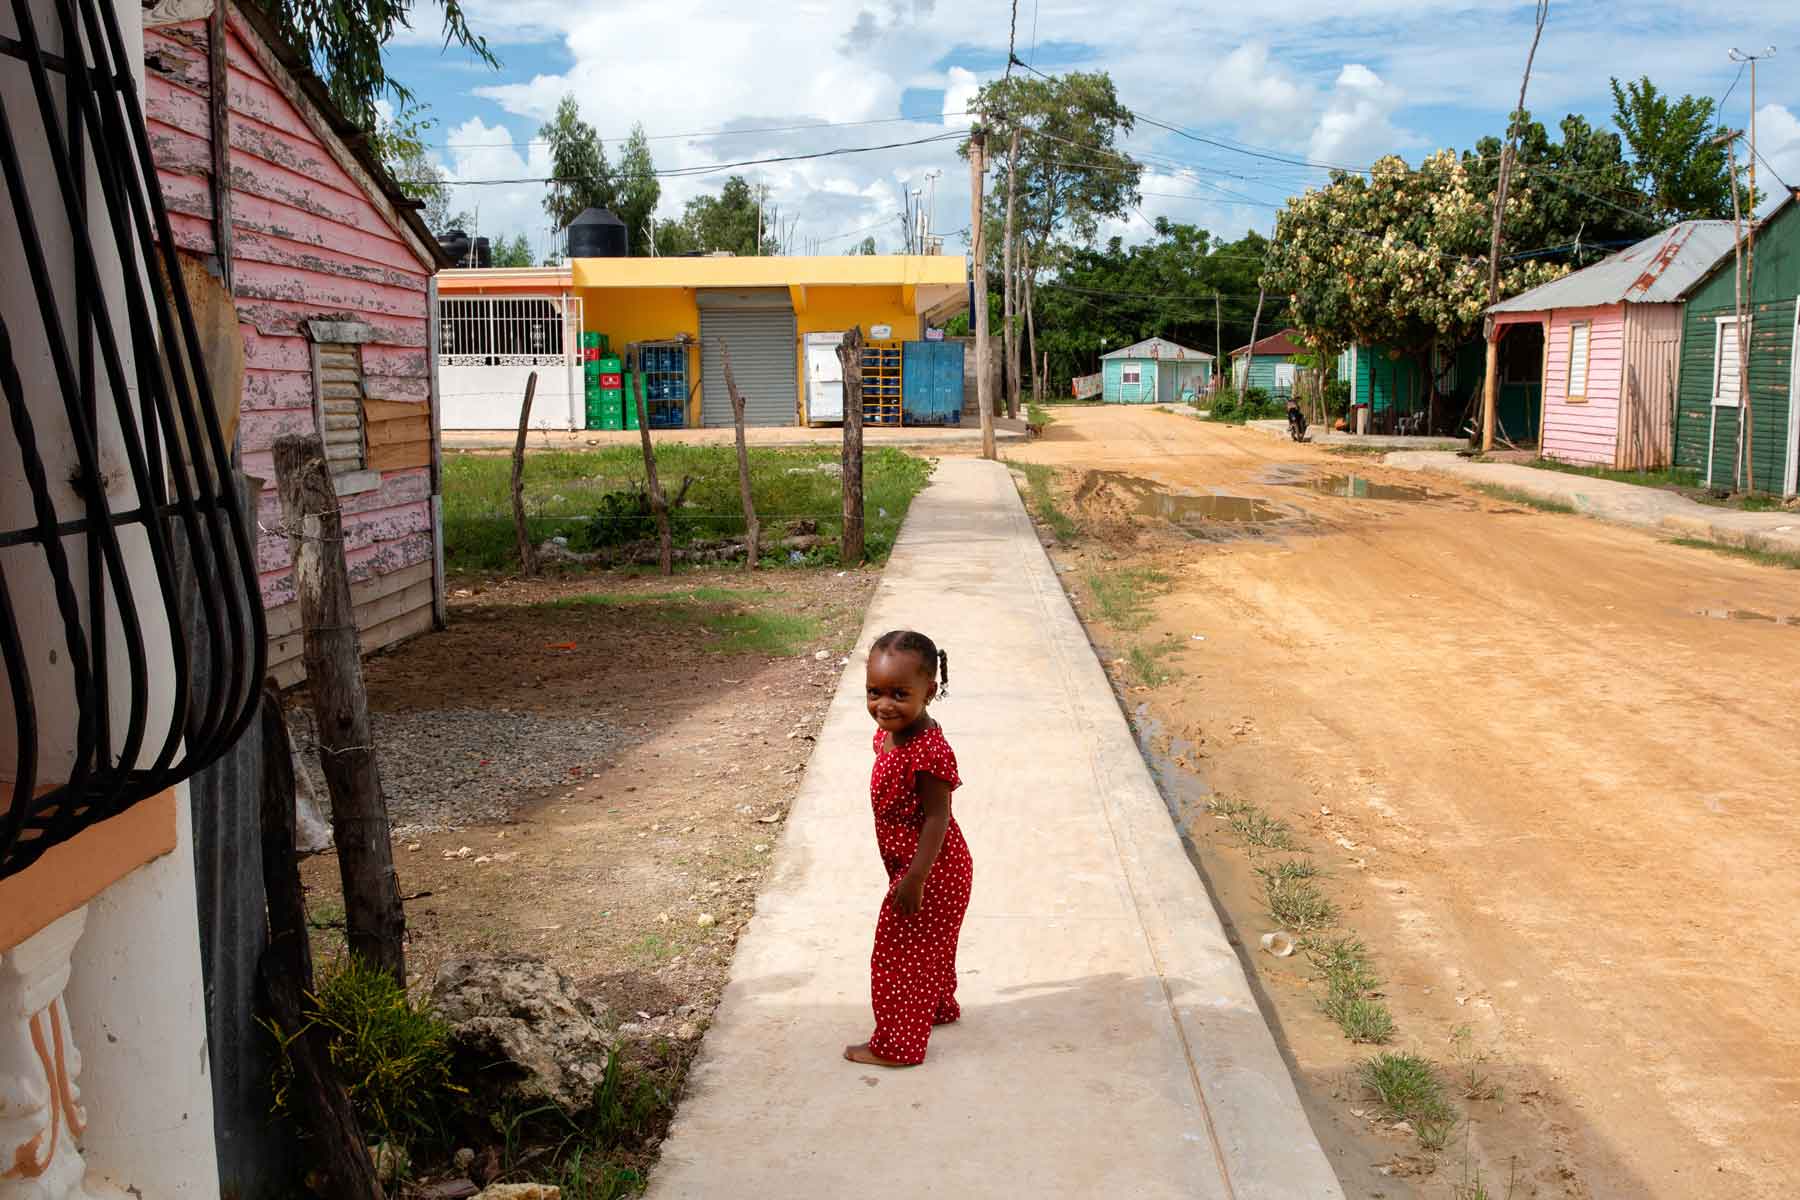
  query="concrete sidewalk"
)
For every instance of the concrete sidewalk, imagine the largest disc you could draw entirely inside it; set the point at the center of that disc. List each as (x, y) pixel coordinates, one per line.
(1625, 503)
(1110, 1045)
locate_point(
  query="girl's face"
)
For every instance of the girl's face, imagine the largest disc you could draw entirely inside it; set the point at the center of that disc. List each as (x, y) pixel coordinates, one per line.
(900, 687)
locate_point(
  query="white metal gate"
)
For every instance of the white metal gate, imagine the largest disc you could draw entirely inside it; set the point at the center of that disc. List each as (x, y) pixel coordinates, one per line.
(489, 345)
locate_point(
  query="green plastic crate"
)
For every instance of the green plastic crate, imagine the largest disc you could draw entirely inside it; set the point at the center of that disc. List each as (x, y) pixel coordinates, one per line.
(609, 364)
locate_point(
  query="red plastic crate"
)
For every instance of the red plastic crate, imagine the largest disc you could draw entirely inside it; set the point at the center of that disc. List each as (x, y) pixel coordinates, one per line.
(611, 381)
(590, 353)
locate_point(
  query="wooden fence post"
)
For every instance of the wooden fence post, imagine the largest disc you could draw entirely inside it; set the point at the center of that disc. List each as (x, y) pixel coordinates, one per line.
(658, 506)
(527, 556)
(752, 530)
(373, 918)
(850, 357)
(286, 975)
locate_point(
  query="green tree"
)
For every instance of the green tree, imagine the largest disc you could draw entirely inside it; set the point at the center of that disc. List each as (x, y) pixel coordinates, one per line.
(581, 178)
(347, 40)
(512, 252)
(1398, 258)
(1583, 190)
(866, 246)
(1676, 164)
(636, 189)
(728, 221)
(399, 141)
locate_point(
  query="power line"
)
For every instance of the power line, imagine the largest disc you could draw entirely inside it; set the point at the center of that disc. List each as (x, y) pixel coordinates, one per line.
(705, 133)
(710, 168)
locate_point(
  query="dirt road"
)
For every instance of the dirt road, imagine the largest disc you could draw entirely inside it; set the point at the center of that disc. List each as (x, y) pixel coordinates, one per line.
(1551, 779)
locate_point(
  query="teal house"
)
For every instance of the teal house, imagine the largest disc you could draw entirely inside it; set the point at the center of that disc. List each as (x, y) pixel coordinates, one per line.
(1268, 363)
(1738, 436)
(1154, 371)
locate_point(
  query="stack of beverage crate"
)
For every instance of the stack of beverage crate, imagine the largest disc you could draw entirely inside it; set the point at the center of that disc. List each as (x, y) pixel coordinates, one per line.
(604, 376)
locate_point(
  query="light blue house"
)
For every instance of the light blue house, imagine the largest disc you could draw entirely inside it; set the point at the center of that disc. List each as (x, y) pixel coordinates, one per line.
(1154, 371)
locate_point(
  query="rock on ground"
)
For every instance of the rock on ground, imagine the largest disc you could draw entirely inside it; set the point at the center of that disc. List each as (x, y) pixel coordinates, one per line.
(521, 1030)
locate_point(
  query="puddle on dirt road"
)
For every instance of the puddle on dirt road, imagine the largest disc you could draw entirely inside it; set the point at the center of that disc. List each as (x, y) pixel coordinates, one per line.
(1182, 788)
(1154, 500)
(1352, 487)
(1745, 614)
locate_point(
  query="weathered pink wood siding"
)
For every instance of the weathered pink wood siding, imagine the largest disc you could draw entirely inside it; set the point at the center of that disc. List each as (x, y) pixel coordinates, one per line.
(310, 241)
(1584, 432)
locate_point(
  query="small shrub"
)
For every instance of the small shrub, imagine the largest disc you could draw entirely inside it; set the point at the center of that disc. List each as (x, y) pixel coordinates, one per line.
(1224, 405)
(1261, 830)
(1363, 1019)
(622, 517)
(1408, 1089)
(393, 1056)
(1037, 416)
(1297, 903)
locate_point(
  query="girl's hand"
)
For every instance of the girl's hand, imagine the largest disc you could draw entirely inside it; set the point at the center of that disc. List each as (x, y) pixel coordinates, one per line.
(909, 893)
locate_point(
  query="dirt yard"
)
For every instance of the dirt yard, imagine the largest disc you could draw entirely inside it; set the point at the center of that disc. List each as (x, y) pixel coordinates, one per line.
(630, 862)
(1546, 767)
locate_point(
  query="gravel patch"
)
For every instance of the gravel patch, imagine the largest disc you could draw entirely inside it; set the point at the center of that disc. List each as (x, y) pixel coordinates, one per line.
(446, 769)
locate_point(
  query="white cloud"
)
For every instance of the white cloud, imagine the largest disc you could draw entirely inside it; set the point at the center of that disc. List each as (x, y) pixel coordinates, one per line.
(1356, 126)
(959, 95)
(481, 151)
(1778, 141)
(1248, 89)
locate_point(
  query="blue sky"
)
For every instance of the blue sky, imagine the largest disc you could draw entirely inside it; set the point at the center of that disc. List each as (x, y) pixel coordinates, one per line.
(1338, 81)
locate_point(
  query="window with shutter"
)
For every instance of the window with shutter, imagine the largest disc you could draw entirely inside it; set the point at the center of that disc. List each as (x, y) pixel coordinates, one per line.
(338, 402)
(1726, 363)
(1579, 337)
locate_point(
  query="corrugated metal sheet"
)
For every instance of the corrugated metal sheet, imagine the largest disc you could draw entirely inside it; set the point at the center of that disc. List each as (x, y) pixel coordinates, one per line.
(1658, 270)
(759, 326)
(1282, 343)
(1159, 348)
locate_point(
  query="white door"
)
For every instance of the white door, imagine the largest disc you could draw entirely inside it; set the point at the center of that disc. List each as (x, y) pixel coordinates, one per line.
(824, 377)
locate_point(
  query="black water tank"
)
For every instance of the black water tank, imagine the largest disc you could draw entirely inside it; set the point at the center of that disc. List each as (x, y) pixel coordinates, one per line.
(484, 253)
(597, 233)
(455, 244)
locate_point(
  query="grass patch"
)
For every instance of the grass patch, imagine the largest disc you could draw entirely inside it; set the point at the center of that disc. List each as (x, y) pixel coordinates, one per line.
(1679, 477)
(1350, 983)
(565, 489)
(1409, 1089)
(1355, 450)
(776, 634)
(1523, 499)
(1147, 663)
(1293, 899)
(1262, 831)
(1123, 595)
(1766, 558)
(1472, 1077)
(1040, 497)
(653, 948)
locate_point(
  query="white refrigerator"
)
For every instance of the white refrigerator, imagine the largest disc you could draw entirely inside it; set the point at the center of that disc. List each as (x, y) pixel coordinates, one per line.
(824, 377)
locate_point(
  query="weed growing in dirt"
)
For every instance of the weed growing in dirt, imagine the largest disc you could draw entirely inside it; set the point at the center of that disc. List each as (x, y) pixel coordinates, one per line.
(1524, 499)
(1297, 904)
(653, 947)
(1472, 1187)
(392, 1055)
(1766, 558)
(1146, 663)
(776, 634)
(1350, 984)
(1227, 807)
(1259, 829)
(1408, 1089)
(1355, 450)
(1681, 477)
(1472, 1077)
(564, 491)
(1123, 595)
(1040, 492)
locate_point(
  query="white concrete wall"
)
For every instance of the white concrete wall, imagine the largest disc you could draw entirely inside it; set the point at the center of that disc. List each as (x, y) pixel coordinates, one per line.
(483, 397)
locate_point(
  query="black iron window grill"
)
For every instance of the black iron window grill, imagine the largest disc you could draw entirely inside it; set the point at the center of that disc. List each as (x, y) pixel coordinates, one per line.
(131, 625)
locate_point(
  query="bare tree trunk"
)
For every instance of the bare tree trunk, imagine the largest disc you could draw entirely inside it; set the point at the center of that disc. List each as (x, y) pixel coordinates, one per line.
(527, 556)
(285, 974)
(1030, 320)
(752, 530)
(1011, 283)
(1250, 354)
(373, 918)
(659, 508)
(978, 246)
(850, 356)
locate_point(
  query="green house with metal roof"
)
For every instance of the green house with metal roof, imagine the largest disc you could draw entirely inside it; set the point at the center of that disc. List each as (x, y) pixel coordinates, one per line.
(1154, 371)
(1268, 363)
(1733, 435)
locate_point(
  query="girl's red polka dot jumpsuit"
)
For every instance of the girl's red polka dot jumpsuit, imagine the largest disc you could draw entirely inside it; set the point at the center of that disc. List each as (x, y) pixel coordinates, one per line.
(913, 969)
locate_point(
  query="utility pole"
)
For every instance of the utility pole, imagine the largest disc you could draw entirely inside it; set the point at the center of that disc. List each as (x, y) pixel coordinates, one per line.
(1730, 137)
(1490, 386)
(931, 178)
(1737, 55)
(1218, 340)
(984, 387)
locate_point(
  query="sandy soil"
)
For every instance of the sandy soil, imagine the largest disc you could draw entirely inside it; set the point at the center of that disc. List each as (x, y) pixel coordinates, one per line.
(609, 874)
(1551, 780)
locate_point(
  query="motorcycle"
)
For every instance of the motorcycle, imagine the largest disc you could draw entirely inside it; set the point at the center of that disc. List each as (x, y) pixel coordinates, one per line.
(1296, 421)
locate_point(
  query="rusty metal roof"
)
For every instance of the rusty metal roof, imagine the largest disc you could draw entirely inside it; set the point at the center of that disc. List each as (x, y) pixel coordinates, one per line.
(1159, 348)
(1661, 269)
(1283, 343)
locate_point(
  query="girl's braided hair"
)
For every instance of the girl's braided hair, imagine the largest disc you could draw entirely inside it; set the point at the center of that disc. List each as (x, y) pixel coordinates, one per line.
(907, 641)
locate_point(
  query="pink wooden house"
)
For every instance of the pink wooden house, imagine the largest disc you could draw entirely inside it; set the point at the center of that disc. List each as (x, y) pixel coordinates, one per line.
(330, 270)
(1612, 346)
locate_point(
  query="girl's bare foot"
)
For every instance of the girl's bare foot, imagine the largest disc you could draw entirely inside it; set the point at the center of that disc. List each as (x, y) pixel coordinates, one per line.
(860, 1053)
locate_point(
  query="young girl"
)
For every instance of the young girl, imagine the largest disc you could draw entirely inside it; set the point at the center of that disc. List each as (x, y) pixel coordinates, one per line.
(913, 970)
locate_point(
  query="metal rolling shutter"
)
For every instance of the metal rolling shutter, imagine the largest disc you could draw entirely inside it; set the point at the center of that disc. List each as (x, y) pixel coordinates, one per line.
(760, 328)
